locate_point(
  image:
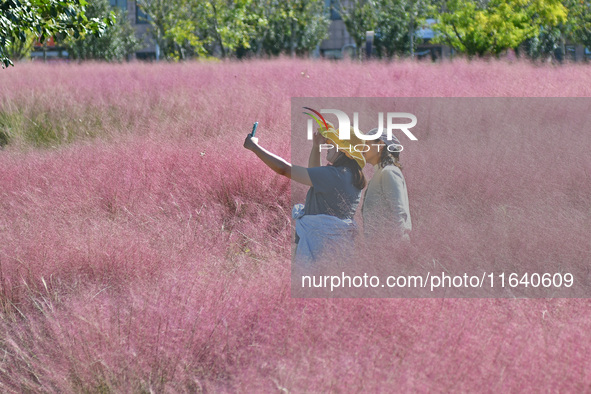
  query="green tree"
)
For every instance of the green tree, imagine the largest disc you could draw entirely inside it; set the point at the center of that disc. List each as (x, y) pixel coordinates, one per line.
(578, 28)
(397, 22)
(294, 26)
(172, 26)
(543, 45)
(308, 25)
(491, 27)
(359, 17)
(264, 12)
(116, 43)
(44, 18)
(186, 28)
(551, 40)
(184, 33)
(230, 24)
(20, 49)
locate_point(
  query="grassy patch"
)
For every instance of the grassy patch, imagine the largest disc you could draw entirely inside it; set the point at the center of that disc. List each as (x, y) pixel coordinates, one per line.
(51, 128)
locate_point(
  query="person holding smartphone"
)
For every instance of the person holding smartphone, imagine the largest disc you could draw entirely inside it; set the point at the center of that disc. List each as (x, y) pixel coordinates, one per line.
(324, 223)
(385, 209)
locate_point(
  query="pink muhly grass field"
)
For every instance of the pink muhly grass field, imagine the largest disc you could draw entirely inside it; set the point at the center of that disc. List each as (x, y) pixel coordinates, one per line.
(144, 250)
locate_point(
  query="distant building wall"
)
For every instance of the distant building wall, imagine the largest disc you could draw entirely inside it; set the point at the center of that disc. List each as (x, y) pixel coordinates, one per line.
(140, 23)
(339, 39)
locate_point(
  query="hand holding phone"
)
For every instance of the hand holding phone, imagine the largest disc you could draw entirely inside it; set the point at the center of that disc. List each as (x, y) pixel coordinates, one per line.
(254, 129)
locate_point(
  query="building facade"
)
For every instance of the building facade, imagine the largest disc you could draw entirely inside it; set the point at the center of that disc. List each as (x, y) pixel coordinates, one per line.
(140, 23)
(339, 42)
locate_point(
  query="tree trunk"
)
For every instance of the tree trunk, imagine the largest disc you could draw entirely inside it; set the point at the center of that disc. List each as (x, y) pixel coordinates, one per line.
(260, 44)
(562, 48)
(221, 44)
(158, 45)
(217, 32)
(292, 39)
(412, 38)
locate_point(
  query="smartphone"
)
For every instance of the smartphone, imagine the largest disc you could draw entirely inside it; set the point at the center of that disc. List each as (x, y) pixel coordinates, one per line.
(254, 128)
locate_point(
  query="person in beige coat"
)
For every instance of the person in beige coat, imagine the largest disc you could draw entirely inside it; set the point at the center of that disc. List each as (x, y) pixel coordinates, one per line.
(385, 208)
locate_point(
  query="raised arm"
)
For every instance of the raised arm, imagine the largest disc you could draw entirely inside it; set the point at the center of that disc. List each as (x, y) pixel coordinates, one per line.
(314, 160)
(278, 164)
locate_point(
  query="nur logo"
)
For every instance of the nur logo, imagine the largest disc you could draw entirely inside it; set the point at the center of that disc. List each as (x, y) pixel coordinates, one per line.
(345, 124)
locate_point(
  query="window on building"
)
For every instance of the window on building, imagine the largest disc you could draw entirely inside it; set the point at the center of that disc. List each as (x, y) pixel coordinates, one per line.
(332, 54)
(332, 7)
(140, 16)
(119, 4)
(570, 52)
(149, 56)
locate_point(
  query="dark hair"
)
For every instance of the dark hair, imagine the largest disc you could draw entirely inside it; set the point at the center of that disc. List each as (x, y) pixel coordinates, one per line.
(359, 180)
(388, 158)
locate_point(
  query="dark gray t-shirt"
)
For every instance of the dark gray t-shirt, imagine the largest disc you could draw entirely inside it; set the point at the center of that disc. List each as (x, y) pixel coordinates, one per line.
(332, 192)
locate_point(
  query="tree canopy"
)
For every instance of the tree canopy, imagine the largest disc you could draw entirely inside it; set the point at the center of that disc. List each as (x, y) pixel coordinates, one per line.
(117, 41)
(43, 19)
(491, 27)
(183, 29)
